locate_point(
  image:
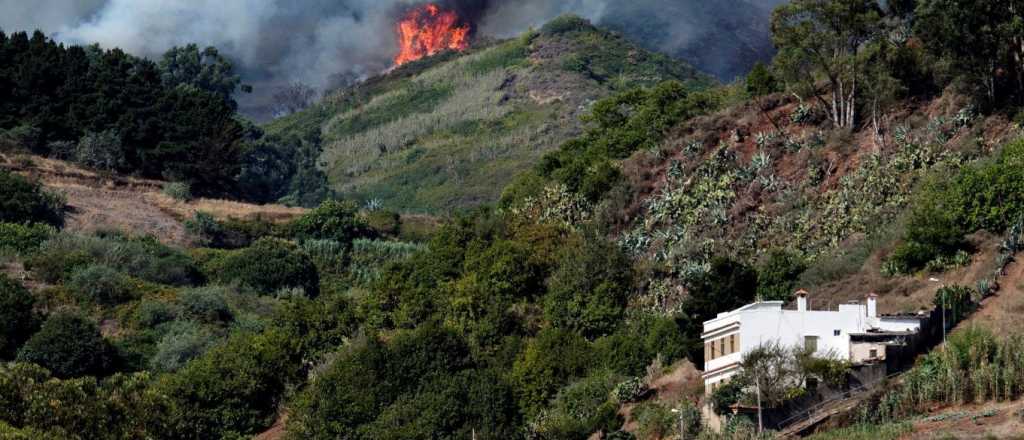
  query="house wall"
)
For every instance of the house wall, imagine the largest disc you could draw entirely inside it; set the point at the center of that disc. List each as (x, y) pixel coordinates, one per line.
(790, 327)
(860, 352)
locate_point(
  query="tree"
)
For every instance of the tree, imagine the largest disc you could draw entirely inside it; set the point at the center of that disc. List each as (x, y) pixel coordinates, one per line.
(824, 38)
(776, 279)
(728, 285)
(17, 320)
(589, 290)
(332, 220)
(549, 362)
(293, 98)
(69, 346)
(983, 38)
(207, 69)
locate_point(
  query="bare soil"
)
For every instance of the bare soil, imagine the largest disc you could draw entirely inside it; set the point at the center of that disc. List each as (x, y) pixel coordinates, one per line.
(110, 202)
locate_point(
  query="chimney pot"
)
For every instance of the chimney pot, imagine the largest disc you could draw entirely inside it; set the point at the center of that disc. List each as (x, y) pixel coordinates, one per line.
(801, 300)
(872, 305)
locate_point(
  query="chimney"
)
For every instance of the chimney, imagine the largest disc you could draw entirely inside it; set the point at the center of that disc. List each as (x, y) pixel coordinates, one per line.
(801, 300)
(872, 305)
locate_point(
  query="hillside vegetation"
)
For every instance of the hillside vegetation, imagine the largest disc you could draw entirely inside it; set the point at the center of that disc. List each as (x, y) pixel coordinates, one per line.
(619, 201)
(449, 132)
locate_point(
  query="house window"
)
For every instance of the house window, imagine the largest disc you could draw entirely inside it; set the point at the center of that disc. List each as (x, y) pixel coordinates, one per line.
(714, 354)
(836, 332)
(732, 343)
(811, 343)
(721, 346)
(873, 353)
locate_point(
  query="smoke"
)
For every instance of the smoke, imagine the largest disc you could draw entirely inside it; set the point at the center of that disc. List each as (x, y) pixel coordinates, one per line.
(275, 42)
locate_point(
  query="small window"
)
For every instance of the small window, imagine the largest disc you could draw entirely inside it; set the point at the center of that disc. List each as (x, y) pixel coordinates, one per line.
(873, 353)
(836, 332)
(721, 346)
(714, 354)
(811, 343)
(732, 343)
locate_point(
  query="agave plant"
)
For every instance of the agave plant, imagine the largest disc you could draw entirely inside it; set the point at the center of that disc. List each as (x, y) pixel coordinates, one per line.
(765, 138)
(801, 114)
(762, 160)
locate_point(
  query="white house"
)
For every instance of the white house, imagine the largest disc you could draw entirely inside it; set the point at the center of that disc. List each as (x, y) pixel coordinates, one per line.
(855, 333)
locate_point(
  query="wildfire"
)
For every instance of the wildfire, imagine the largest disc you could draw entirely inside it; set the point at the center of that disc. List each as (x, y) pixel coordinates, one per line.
(427, 30)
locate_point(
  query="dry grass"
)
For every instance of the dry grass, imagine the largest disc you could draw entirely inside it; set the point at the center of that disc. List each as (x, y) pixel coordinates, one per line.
(138, 206)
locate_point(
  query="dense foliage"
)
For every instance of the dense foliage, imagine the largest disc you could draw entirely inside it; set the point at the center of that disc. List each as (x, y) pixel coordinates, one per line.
(174, 130)
(17, 318)
(949, 207)
(27, 202)
(68, 345)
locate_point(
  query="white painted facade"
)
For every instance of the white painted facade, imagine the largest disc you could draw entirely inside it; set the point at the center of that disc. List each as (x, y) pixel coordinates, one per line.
(755, 324)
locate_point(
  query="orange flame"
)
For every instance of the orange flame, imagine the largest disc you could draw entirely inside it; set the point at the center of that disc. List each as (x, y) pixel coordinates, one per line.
(427, 30)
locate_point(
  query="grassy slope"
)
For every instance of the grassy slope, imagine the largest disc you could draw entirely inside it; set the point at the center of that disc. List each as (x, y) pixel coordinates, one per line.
(449, 132)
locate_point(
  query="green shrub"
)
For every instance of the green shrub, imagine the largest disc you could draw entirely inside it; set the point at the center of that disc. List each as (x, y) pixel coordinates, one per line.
(233, 390)
(69, 346)
(332, 220)
(655, 421)
(24, 238)
(384, 223)
(206, 304)
(581, 409)
(182, 342)
(267, 266)
(565, 24)
(629, 390)
(17, 320)
(205, 230)
(180, 191)
(26, 202)
(144, 258)
(151, 313)
(99, 284)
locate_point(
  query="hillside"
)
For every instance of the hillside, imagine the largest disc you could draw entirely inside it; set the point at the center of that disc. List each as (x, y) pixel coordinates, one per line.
(109, 202)
(451, 131)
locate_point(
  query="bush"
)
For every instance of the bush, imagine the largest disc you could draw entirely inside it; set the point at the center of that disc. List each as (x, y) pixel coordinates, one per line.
(267, 266)
(69, 346)
(580, 409)
(27, 202)
(332, 220)
(206, 304)
(205, 230)
(655, 421)
(180, 191)
(565, 24)
(630, 390)
(98, 284)
(24, 238)
(101, 151)
(151, 313)
(182, 342)
(233, 390)
(144, 258)
(17, 320)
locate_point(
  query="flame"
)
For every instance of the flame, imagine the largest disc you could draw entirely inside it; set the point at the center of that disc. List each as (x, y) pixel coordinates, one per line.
(427, 30)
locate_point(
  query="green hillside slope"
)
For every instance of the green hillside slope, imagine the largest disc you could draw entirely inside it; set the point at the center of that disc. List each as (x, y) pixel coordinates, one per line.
(449, 132)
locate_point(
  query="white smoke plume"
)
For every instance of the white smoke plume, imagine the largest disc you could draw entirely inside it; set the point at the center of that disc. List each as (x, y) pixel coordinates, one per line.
(276, 42)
